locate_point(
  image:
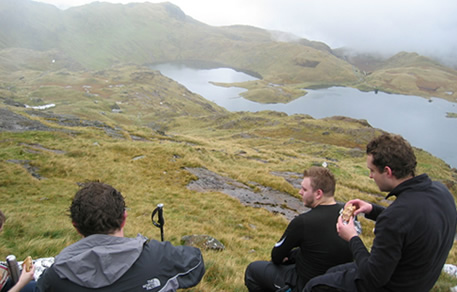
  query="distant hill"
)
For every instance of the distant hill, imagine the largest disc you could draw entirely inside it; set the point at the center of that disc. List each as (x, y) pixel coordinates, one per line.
(99, 35)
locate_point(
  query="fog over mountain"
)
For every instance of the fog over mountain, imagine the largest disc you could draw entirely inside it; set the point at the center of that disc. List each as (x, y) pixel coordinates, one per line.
(387, 27)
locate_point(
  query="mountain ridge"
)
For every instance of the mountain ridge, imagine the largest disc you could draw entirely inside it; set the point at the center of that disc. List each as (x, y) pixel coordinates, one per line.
(99, 35)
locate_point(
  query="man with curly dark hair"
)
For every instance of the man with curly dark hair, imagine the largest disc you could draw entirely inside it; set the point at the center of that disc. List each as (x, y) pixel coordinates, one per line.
(105, 260)
(97, 209)
(413, 235)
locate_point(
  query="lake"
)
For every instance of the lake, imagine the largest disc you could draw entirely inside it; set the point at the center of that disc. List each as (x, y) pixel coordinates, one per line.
(421, 121)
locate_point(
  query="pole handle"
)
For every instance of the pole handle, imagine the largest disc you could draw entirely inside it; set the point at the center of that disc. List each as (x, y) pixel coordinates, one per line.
(161, 221)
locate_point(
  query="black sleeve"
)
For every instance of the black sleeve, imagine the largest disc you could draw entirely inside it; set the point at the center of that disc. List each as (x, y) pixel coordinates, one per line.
(373, 215)
(289, 240)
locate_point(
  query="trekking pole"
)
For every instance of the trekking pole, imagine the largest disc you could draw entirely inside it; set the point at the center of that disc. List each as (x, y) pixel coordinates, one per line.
(160, 222)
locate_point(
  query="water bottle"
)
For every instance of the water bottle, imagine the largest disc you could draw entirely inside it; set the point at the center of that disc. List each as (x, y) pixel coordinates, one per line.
(13, 268)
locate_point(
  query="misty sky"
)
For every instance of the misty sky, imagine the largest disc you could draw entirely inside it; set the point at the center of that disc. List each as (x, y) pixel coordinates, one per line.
(386, 26)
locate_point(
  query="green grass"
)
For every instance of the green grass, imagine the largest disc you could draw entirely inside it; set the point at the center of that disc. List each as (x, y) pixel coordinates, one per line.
(178, 129)
(37, 210)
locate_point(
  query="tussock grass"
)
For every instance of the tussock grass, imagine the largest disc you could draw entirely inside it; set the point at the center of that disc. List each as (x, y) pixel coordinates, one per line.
(174, 129)
(37, 210)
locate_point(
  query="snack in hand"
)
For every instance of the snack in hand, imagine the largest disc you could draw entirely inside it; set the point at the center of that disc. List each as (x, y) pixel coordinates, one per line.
(348, 212)
(28, 264)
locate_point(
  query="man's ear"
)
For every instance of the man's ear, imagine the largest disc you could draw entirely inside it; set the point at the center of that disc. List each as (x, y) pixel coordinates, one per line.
(124, 220)
(319, 194)
(76, 227)
(388, 171)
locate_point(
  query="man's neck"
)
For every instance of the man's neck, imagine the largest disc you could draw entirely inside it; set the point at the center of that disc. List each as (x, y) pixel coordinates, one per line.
(327, 201)
(396, 182)
(118, 233)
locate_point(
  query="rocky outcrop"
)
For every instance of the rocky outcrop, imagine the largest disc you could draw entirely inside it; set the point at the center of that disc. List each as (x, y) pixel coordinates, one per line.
(13, 122)
(203, 242)
(262, 197)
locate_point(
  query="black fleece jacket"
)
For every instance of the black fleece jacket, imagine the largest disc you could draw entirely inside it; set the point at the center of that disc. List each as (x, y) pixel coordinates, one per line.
(413, 237)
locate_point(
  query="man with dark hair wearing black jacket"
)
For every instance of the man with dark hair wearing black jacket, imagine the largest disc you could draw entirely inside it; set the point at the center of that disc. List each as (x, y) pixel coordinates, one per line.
(413, 236)
(105, 260)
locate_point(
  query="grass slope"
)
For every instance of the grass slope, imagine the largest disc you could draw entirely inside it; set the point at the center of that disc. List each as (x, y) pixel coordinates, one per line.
(409, 73)
(143, 151)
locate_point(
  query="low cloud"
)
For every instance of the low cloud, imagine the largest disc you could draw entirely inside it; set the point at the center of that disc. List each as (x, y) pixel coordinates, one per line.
(386, 27)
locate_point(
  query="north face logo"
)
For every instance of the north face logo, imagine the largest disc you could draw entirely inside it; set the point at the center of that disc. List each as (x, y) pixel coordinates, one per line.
(153, 283)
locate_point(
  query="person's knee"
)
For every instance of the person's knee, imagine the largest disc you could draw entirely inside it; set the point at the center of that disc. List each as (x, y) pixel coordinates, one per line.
(251, 277)
(30, 287)
(248, 274)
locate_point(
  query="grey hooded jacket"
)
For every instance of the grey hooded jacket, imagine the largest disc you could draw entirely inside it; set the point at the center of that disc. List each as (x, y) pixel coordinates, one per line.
(109, 263)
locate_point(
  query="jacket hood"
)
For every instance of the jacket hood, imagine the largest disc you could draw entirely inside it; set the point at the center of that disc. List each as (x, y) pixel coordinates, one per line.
(98, 260)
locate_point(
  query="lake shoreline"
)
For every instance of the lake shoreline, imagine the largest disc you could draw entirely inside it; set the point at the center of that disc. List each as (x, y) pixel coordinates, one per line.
(419, 120)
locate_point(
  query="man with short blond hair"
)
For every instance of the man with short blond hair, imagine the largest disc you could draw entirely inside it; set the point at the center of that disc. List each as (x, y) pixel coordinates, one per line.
(310, 244)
